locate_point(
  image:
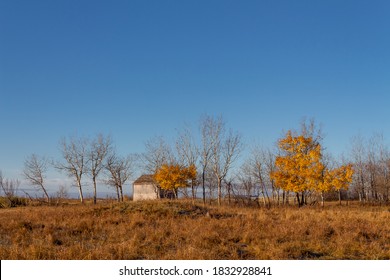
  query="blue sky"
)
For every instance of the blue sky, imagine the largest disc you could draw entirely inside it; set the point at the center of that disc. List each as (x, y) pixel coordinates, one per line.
(136, 69)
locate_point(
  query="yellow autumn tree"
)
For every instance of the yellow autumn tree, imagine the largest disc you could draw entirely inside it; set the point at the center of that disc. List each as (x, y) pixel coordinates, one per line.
(336, 179)
(171, 177)
(299, 168)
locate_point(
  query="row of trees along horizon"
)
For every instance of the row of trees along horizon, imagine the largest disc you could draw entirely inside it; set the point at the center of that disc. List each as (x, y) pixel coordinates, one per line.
(296, 169)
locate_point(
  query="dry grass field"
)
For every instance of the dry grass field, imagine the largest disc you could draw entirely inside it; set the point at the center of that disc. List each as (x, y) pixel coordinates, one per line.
(179, 230)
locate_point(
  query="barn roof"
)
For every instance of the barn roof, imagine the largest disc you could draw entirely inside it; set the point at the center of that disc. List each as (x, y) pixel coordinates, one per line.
(146, 178)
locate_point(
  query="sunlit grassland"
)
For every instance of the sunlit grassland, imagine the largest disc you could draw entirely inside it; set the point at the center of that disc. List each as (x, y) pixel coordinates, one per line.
(181, 230)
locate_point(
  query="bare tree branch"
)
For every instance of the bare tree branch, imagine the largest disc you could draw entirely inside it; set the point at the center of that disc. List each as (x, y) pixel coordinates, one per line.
(119, 169)
(9, 188)
(97, 152)
(188, 153)
(75, 155)
(225, 149)
(157, 153)
(34, 171)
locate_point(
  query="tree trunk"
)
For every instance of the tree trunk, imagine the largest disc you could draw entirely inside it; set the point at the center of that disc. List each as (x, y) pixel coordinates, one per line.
(263, 196)
(298, 200)
(229, 195)
(94, 189)
(339, 197)
(267, 202)
(219, 191)
(203, 188)
(288, 198)
(46, 194)
(80, 192)
(193, 192)
(121, 192)
(117, 194)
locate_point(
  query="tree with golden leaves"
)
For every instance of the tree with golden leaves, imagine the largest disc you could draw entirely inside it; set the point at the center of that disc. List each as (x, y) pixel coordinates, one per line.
(299, 168)
(336, 179)
(171, 177)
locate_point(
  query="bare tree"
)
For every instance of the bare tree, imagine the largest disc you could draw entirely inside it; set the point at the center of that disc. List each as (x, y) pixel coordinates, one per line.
(98, 150)
(158, 152)
(373, 169)
(377, 156)
(188, 153)
(9, 188)
(358, 155)
(245, 186)
(205, 151)
(61, 194)
(226, 148)
(384, 173)
(119, 169)
(269, 164)
(34, 171)
(75, 155)
(258, 167)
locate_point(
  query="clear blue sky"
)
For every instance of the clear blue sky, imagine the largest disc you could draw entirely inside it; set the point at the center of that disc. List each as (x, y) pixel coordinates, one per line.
(136, 69)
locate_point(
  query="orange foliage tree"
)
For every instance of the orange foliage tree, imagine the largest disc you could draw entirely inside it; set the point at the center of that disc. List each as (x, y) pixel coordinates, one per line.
(299, 168)
(336, 179)
(171, 177)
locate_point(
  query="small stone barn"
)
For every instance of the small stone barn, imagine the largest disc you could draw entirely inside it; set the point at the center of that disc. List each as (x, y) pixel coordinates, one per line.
(145, 188)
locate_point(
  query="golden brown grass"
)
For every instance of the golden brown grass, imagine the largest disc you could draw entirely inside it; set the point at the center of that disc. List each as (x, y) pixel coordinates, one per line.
(179, 230)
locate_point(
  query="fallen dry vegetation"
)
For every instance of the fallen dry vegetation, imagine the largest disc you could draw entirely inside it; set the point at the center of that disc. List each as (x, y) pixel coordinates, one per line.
(180, 230)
